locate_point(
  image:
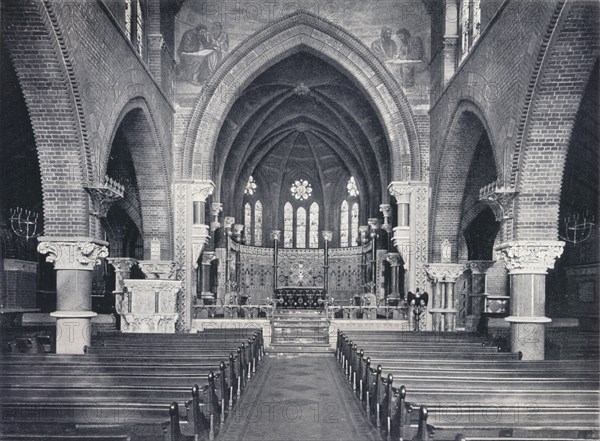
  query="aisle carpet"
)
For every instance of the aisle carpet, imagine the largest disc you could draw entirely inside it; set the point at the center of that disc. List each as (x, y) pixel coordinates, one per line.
(298, 399)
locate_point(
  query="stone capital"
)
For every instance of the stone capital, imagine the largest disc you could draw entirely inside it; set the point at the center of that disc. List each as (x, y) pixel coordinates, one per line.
(229, 221)
(401, 191)
(386, 209)
(216, 208)
(155, 41)
(201, 190)
(122, 264)
(276, 235)
(327, 235)
(479, 266)
(208, 257)
(394, 259)
(158, 269)
(73, 253)
(444, 272)
(530, 256)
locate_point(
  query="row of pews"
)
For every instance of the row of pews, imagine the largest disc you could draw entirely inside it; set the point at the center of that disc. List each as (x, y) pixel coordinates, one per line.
(129, 387)
(453, 385)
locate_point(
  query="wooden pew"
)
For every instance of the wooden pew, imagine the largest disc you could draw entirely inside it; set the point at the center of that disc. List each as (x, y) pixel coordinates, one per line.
(454, 399)
(102, 390)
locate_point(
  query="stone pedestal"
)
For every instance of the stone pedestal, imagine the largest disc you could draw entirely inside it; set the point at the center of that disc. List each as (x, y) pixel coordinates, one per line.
(527, 263)
(73, 259)
(443, 277)
(150, 306)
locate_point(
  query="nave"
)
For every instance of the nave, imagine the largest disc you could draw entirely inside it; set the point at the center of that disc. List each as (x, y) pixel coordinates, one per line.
(229, 385)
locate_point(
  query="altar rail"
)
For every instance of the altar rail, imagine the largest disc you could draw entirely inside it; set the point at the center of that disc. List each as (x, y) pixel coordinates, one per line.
(334, 312)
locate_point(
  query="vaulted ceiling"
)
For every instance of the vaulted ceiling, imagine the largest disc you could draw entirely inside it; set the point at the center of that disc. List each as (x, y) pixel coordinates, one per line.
(302, 118)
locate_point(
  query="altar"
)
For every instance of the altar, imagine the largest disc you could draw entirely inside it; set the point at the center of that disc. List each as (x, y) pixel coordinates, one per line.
(297, 297)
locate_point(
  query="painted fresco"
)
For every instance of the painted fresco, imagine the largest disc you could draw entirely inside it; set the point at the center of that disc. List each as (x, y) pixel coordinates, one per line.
(397, 32)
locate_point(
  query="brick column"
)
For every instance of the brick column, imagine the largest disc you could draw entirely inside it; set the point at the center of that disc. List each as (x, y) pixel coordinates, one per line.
(443, 277)
(74, 259)
(527, 263)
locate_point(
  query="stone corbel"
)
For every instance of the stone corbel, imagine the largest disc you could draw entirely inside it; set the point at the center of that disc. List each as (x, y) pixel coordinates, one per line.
(73, 253)
(122, 266)
(103, 195)
(499, 198)
(530, 257)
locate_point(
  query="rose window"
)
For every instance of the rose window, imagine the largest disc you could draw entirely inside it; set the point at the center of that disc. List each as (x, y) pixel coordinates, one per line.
(301, 190)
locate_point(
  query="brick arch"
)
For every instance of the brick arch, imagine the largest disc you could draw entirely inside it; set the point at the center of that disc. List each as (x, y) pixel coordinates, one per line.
(557, 93)
(151, 173)
(467, 125)
(300, 31)
(45, 71)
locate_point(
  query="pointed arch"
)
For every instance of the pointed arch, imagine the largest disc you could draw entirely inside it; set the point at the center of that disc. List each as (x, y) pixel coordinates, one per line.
(300, 31)
(344, 227)
(313, 232)
(288, 225)
(354, 224)
(258, 215)
(301, 227)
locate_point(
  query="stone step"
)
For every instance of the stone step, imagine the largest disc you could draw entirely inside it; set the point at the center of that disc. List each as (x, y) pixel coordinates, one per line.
(297, 350)
(299, 324)
(300, 341)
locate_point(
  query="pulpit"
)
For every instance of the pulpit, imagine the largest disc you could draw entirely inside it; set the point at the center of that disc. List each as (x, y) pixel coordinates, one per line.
(150, 305)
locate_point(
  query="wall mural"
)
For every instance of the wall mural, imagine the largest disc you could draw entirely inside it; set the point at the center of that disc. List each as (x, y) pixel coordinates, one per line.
(398, 33)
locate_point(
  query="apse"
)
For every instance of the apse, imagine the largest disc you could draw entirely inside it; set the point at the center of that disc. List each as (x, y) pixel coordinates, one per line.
(303, 139)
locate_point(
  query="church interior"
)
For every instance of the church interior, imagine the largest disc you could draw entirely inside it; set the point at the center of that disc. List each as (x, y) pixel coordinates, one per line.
(316, 220)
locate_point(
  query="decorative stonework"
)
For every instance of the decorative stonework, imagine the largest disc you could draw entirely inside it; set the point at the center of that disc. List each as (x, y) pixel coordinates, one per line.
(104, 195)
(401, 191)
(301, 190)
(159, 269)
(180, 242)
(229, 221)
(327, 235)
(155, 42)
(77, 253)
(499, 198)
(394, 259)
(444, 272)
(150, 305)
(301, 89)
(479, 266)
(122, 266)
(208, 257)
(276, 235)
(201, 190)
(530, 257)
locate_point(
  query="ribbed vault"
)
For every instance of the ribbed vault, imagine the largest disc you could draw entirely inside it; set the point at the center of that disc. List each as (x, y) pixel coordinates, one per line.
(302, 118)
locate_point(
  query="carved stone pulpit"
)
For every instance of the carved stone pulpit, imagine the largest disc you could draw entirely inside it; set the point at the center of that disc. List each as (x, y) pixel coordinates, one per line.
(150, 305)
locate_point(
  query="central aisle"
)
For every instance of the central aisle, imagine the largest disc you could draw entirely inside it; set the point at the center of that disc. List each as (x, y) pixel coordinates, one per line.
(294, 399)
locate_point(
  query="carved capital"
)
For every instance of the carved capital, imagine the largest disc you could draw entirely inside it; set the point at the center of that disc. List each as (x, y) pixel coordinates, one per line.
(401, 191)
(229, 221)
(159, 269)
(499, 198)
(444, 272)
(201, 190)
(276, 235)
(327, 235)
(122, 264)
(77, 253)
(216, 208)
(394, 259)
(386, 209)
(208, 257)
(530, 257)
(479, 266)
(155, 42)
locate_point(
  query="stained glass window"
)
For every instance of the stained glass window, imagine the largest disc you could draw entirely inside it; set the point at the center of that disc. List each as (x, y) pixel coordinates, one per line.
(344, 225)
(313, 231)
(250, 186)
(140, 28)
(258, 213)
(248, 221)
(128, 17)
(352, 188)
(301, 228)
(354, 224)
(301, 190)
(288, 226)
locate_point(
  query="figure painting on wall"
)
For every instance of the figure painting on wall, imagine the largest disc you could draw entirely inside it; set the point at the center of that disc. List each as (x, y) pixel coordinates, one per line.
(404, 57)
(384, 47)
(200, 52)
